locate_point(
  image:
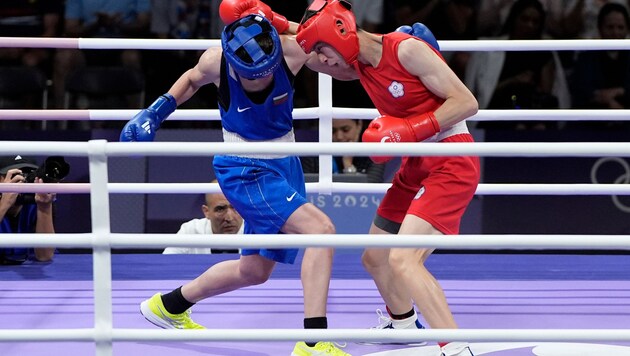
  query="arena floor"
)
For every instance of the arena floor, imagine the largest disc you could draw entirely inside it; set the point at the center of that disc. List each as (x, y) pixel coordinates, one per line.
(518, 291)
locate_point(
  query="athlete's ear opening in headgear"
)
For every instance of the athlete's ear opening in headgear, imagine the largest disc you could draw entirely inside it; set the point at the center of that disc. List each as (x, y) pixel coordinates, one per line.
(331, 22)
(252, 47)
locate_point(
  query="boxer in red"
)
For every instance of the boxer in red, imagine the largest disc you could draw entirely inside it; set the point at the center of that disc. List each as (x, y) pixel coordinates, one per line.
(420, 100)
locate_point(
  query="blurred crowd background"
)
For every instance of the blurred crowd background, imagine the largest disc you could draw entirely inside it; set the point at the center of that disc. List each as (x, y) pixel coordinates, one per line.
(110, 79)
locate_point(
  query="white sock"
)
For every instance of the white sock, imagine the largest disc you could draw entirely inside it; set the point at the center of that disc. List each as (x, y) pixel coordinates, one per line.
(408, 323)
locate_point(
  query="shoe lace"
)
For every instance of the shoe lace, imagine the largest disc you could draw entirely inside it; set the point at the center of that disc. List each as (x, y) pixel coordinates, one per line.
(190, 322)
(384, 320)
(183, 317)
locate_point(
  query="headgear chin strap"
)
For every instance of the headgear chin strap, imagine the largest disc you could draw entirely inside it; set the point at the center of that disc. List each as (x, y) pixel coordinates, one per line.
(243, 52)
(332, 22)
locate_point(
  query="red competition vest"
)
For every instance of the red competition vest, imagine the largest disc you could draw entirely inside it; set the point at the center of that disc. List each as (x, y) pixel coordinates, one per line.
(393, 90)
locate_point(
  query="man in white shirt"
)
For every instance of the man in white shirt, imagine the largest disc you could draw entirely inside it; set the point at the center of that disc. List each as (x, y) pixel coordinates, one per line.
(220, 218)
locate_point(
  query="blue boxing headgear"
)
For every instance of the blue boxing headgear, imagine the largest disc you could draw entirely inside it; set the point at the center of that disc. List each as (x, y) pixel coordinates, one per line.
(252, 47)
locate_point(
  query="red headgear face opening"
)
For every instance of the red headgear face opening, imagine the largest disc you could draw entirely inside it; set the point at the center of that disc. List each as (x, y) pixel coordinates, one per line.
(331, 22)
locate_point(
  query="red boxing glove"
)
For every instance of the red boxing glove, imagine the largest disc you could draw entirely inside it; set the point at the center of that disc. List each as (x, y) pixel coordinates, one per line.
(387, 128)
(232, 10)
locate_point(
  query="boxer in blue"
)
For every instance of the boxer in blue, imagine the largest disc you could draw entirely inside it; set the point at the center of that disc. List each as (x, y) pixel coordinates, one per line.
(254, 72)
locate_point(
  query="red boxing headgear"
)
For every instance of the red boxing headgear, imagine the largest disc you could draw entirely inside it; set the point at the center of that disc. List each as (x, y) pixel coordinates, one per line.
(332, 22)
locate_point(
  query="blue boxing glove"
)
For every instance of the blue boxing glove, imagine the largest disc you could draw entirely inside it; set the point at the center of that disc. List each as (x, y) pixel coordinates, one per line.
(421, 31)
(144, 125)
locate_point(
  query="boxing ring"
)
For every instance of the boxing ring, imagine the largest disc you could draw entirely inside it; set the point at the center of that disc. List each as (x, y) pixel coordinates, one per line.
(89, 304)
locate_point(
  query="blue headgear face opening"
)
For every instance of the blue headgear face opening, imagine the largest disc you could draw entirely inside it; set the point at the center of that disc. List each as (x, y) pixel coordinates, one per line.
(242, 34)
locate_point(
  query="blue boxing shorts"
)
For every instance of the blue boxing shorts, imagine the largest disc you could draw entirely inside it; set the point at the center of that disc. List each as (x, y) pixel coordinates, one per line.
(265, 192)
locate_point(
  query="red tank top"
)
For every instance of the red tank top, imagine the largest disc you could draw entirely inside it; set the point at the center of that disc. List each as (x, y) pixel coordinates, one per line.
(393, 90)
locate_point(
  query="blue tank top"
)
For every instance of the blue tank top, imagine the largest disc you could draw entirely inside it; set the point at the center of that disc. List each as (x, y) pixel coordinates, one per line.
(26, 221)
(267, 119)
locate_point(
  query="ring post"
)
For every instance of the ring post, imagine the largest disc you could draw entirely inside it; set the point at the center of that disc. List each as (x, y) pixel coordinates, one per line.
(325, 132)
(102, 258)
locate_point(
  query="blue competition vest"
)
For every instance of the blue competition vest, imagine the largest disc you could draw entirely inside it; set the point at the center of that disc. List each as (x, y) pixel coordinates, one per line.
(267, 120)
(26, 221)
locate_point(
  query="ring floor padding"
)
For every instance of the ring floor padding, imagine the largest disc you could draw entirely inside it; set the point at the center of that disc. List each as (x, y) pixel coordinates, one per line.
(484, 290)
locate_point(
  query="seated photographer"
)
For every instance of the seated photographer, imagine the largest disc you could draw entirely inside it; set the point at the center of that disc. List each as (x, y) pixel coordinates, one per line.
(220, 218)
(24, 213)
(348, 130)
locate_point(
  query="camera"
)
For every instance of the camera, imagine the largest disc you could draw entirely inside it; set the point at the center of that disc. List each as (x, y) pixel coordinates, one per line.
(54, 170)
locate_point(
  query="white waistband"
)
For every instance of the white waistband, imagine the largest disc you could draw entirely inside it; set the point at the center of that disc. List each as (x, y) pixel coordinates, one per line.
(234, 137)
(458, 128)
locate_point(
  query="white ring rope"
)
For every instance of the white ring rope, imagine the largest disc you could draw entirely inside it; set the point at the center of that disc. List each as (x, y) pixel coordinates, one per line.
(341, 335)
(337, 187)
(492, 242)
(314, 113)
(445, 46)
(205, 149)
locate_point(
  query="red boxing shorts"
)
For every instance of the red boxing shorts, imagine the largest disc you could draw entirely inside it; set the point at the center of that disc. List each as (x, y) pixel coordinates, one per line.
(436, 189)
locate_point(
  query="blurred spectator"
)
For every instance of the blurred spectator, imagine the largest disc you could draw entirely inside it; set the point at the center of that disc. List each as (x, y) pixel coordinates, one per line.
(178, 19)
(519, 79)
(575, 18)
(220, 218)
(21, 214)
(447, 19)
(491, 15)
(565, 19)
(24, 71)
(182, 19)
(368, 13)
(35, 18)
(601, 79)
(348, 130)
(100, 19)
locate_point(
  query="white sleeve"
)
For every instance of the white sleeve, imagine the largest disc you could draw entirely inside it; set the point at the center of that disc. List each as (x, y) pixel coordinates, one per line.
(192, 227)
(175, 250)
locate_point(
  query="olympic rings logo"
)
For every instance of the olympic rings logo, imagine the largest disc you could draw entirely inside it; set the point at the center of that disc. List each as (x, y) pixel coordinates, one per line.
(621, 179)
